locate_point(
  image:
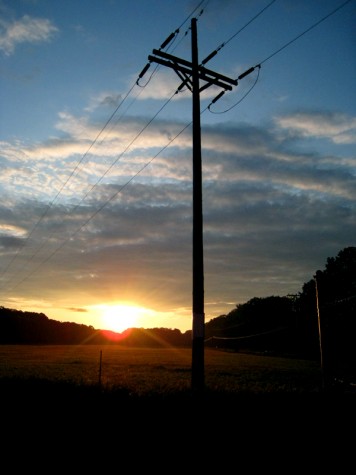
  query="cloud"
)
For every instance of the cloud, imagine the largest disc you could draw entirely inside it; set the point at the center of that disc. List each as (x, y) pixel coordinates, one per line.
(272, 214)
(105, 99)
(164, 85)
(26, 30)
(336, 127)
(232, 153)
(6, 229)
(80, 310)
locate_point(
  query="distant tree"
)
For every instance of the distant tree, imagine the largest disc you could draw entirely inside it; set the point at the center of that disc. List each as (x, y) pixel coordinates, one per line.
(334, 290)
(261, 324)
(18, 327)
(275, 324)
(290, 324)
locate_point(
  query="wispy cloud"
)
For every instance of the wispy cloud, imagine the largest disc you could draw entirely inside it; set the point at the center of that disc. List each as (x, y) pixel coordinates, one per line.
(336, 127)
(26, 30)
(265, 204)
(164, 84)
(231, 153)
(106, 99)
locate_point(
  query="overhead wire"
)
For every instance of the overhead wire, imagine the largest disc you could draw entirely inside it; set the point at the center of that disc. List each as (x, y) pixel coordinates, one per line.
(97, 182)
(50, 205)
(306, 31)
(103, 205)
(213, 53)
(245, 337)
(208, 107)
(216, 51)
(240, 100)
(195, 9)
(271, 55)
(167, 43)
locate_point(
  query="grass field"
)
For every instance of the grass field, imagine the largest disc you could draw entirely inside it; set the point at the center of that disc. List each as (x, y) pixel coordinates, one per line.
(91, 392)
(145, 371)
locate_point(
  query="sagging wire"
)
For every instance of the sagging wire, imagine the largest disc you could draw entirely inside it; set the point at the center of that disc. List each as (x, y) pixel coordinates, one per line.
(258, 67)
(165, 43)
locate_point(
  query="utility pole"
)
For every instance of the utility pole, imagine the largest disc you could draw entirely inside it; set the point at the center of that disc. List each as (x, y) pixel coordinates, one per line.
(191, 73)
(320, 333)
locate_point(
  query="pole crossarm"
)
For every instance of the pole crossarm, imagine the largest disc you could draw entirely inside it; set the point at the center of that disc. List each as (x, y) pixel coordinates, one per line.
(190, 73)
(184, 67)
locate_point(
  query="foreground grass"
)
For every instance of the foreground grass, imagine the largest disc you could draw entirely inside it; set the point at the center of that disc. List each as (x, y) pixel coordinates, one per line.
(106, 408)
(144, 371)
(74, 389)
(138, 373)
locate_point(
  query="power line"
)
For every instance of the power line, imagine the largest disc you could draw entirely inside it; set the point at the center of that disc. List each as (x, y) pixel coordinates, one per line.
(246, 337)
(248, 23)
(250, 70)
(113, 196)
(195, 9)
(92, 216)
(50, 205)
(306, 31)
(239, 101)
(167, 43)
(114, 113)
(211, 55)
(77, 165)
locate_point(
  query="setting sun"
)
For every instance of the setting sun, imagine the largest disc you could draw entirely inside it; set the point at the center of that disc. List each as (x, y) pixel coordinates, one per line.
(120, 317)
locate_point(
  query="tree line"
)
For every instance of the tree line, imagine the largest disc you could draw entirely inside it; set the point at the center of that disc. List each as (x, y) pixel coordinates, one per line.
(318, 322)
(30, 328)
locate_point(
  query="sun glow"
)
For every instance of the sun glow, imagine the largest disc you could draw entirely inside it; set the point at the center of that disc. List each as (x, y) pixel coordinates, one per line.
(120, 317)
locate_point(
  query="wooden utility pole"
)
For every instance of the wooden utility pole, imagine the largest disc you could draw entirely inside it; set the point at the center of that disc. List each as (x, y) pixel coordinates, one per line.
(320, 334)
(191, 73)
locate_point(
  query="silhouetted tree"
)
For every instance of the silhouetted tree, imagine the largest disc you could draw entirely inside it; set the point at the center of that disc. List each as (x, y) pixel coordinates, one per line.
(290, 324)
(336, 286)
(286, 325)
(261, 324)
(18, 327)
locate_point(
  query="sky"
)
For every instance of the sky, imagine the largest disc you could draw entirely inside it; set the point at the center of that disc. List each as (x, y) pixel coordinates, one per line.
(96, 162)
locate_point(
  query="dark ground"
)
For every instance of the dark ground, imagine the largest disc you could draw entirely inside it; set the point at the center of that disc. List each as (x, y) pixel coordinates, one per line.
(50, 427)
(37, 398)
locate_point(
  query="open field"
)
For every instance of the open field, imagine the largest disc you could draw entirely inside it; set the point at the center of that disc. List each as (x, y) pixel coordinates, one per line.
(144, 371)
(91, 392)
(69, 377)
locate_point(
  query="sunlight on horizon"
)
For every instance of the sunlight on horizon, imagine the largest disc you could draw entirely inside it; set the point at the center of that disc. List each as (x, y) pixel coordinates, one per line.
(119, 317)
(115, 316)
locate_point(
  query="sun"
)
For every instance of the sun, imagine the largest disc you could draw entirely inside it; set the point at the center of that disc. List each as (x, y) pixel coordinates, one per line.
(118, 318)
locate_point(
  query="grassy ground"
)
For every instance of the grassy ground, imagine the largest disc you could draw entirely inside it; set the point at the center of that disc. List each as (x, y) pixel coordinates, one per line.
(145, 374)
(143, 371)
(108, 405)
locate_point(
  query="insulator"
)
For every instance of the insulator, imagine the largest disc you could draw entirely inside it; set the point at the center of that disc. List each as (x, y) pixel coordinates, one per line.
(246, 73)
(181, 86)
(218, 97)
(168, 40)
(208, 58)
(144, 71)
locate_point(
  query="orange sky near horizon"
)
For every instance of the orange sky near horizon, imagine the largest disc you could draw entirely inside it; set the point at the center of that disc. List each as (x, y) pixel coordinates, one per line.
(114, 316)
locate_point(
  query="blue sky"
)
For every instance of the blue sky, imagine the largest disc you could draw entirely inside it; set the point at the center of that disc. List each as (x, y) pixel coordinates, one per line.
(96, 188)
